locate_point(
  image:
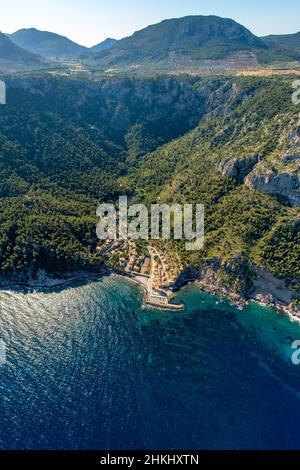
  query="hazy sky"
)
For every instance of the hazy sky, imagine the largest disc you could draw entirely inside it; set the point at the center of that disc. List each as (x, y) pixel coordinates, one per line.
(90, 21)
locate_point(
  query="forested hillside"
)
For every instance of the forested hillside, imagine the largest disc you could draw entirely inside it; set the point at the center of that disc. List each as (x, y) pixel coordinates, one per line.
(252, 132)
(66, 144)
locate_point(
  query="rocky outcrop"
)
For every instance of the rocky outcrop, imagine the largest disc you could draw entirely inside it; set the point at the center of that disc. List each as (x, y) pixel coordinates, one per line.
(271, 290)
(238, 168)
(253, 282)
(281, 179)
(291, 157)
(292, 154)
(280, 184)
(293, 137)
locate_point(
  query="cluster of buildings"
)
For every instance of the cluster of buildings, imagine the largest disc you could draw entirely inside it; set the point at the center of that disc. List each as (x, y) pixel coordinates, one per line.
(151, 269)
(123, 255)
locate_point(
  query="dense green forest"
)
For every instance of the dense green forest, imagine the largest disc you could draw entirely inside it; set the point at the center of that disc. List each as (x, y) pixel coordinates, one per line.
(66, 144)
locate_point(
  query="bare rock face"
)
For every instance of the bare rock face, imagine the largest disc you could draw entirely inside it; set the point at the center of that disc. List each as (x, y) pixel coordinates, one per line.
(286, 185)
(283, 178)
(294, 136)
(238, 168)
(291, 157)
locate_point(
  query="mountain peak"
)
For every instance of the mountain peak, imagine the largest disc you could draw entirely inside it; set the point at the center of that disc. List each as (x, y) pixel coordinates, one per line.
(102, 46)
(188, 39)
(14, 58)
(46, 44)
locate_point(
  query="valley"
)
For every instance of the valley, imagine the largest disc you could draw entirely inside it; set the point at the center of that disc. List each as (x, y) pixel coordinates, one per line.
(195, 109)
(76, 142)
(149, 230)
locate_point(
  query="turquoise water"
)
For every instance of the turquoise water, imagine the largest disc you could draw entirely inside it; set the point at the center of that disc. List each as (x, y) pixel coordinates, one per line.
(89, 368)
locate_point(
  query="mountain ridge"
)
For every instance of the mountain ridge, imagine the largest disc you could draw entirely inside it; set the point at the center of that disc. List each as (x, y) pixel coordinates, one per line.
(46, 43)
(191, 38)
(289, 43)
(103, 45)
(191, 43)
(15, 58)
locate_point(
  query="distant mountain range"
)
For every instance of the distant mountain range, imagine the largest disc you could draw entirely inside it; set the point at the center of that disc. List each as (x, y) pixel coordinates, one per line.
(191, 38)
(14, 58)
(289, 44)
(192, 42)
(196, 42)
(46, 44)
(104, 45)
(51, 46)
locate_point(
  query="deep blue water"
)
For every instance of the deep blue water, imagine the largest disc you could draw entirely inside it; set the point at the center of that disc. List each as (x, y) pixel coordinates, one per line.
(88, 368)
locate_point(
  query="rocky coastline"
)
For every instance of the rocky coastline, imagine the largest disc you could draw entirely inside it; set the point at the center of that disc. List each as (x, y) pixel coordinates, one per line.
(266, 291)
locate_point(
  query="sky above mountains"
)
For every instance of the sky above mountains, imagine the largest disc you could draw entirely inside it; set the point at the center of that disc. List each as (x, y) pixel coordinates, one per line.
(90, 21)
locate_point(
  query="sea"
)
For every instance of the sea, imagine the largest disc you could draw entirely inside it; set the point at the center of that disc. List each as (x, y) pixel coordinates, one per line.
(88, 366)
